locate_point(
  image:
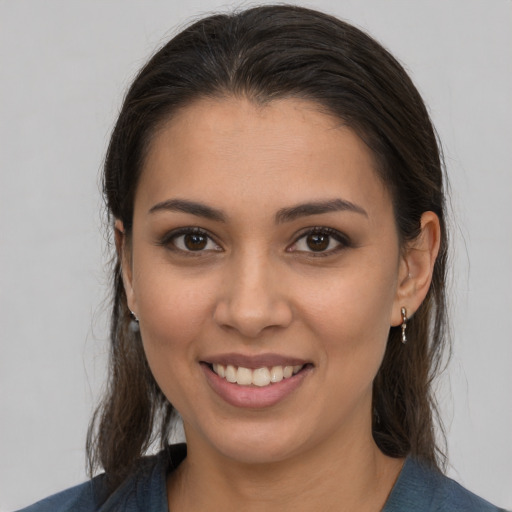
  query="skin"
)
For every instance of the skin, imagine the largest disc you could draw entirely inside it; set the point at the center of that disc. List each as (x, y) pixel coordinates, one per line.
(258, 287)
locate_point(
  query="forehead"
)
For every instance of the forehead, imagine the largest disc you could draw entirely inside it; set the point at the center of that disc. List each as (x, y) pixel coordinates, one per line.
(284, 151)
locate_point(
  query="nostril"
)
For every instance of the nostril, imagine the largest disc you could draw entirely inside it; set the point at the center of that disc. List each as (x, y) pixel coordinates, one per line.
(251, 317)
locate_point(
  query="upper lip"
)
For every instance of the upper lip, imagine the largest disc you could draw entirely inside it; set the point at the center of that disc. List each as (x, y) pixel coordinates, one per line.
(255, 361)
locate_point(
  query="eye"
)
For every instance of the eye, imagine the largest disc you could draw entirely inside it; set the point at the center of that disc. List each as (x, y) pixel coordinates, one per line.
(190, 240)
(322, 241)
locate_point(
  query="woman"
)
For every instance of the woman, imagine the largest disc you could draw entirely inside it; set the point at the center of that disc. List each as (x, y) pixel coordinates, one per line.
(276, 193)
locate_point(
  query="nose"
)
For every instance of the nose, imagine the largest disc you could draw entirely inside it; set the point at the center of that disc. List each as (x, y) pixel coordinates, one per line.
(253, 298)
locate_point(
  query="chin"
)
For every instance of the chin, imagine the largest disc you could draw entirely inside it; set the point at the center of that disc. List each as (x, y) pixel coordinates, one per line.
(253, 452)
(251, 444)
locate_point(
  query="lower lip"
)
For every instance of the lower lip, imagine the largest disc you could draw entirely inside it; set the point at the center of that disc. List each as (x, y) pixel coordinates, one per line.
(253, 397)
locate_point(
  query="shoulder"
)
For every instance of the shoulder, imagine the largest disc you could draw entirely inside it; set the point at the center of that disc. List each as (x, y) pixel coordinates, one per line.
(423, 489)
(145, 489)
(451, 496)
(81, 498)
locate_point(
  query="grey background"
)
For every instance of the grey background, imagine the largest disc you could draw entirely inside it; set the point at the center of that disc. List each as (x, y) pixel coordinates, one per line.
(64, 66)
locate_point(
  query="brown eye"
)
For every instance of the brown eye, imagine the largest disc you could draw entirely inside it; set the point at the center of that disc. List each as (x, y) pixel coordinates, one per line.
(318, 241)
(321, 241)
(189, 240)
(195, 242)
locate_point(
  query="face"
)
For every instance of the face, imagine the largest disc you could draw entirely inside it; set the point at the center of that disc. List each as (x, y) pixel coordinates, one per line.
(264, 268)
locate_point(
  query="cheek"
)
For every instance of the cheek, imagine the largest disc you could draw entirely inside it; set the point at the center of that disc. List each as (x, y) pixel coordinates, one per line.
(172, 305)
(350, 315)
(350, 304)
(173, 313)
(172, 316)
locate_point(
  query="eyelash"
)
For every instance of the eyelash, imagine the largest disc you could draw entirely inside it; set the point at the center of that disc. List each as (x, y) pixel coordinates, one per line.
(343, 241)
(169, 241)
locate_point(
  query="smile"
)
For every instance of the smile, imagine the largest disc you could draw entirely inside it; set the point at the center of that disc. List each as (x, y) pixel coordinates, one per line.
(255, 381)
(260, 377)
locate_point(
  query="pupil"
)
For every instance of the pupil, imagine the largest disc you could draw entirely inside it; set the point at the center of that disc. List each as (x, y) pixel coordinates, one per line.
(318, 241)
(195, 242)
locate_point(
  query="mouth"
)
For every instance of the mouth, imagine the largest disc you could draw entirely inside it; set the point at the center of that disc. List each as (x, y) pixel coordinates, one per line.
(255, 382)
(259, 377)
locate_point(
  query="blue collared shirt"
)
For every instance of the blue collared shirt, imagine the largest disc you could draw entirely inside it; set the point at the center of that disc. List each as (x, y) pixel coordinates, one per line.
(418, 489)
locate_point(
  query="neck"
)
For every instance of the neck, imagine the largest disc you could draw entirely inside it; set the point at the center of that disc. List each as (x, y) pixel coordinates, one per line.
(344, 477)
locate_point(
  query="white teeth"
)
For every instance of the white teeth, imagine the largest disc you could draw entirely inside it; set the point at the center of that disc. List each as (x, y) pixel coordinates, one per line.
(244, 376)
(276, 374)
(219, 370)
(231, 373)
(260, 377)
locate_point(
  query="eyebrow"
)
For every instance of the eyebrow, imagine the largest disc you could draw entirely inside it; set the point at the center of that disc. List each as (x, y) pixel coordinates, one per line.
(282, 216)
(317, 208)
(192, 207)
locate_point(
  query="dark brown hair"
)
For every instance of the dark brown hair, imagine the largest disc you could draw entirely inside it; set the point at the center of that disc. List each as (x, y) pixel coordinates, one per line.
(262, 54)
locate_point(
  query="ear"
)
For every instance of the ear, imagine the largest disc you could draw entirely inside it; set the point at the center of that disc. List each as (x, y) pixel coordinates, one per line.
(417, 267)
(124, 257)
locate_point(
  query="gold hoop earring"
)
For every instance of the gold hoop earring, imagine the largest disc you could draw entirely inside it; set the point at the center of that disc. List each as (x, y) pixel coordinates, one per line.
(404, 325)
